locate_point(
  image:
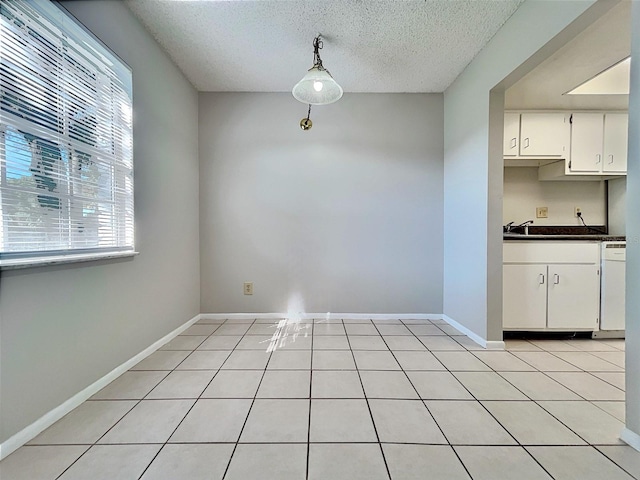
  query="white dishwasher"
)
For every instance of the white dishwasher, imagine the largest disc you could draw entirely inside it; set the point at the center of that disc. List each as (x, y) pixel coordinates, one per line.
(612, 286)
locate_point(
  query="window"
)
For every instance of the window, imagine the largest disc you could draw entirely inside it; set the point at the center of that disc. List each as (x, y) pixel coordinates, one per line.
(66, 154)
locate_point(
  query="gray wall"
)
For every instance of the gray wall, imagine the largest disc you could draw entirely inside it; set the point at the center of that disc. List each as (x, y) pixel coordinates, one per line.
(346, 217)
(633, 240)
(473, 161)
(65, 327)
(617, 205)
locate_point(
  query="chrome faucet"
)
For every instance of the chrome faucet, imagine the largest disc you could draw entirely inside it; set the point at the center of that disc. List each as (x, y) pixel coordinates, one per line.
(507, 227)
(525, 226)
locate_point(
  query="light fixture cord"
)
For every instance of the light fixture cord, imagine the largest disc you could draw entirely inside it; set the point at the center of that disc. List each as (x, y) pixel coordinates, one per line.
(317, 45)
(309, 112)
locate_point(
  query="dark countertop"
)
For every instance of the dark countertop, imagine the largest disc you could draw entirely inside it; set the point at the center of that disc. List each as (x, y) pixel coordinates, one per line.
(584, 233)
(586, 237)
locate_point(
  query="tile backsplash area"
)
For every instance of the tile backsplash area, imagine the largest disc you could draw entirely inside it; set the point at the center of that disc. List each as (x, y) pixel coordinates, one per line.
(523, 193)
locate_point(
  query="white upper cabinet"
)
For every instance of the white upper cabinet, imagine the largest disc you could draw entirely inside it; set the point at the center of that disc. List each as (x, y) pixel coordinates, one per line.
(567, 146)
(544, 135)
(511, 134)
(586, 142)
(616, 129)
(598, 143)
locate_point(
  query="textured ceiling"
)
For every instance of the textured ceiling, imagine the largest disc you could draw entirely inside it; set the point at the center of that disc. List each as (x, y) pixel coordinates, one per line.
(369, 46)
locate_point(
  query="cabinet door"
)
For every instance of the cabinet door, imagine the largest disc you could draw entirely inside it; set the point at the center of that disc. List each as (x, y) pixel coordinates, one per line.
(511, 134)
(524, 297)
(616, 128)
(586, 142)
(544, 135)
(574, 297)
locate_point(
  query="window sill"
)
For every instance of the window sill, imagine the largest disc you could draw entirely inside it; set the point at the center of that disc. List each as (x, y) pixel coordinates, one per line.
(61, 259)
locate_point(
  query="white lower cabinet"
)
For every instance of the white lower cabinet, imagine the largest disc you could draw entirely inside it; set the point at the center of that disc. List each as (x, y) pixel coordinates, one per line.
(573, 297)
(539, 295)
(524, 297)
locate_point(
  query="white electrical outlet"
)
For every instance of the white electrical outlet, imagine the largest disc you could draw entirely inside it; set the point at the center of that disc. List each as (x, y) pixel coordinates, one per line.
(542, 212)
(248, 288)
(577, 211)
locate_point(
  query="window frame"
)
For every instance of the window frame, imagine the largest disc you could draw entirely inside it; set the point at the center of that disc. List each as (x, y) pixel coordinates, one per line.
(119, 161)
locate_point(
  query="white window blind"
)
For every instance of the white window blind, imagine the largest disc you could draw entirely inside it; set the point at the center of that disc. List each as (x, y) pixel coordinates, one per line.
(66, 154)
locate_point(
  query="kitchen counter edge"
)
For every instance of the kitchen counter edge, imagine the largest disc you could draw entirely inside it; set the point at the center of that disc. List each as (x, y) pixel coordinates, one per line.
(581, 238)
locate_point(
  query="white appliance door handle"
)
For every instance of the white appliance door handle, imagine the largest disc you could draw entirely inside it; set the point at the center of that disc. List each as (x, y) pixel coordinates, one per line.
(556, 279)
(526, 142)
(610, 159)
(513, 142)
(541, 279)
(599, 158)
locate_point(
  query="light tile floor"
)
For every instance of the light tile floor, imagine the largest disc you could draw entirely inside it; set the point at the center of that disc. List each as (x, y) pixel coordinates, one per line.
(346, 400)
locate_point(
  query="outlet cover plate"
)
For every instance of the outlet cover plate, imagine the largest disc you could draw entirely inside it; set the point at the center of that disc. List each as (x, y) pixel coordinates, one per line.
(542, 212)
(248, 288)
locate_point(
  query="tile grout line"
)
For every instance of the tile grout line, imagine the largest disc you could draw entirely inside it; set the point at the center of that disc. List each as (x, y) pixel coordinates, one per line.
(590, 372)
(366, 399)
(546, 374)
(507, 380)
(530, 399)
(470, 393)
(606, 381)
(423, 402)
(547, 411)
(567, 426)
(166, 442)
(138, 401)
(491, 414)
(500, 374)
(217, 325)
(310, 397)
(592, 402)
(587, 352)
(253, 401)
(550, 413)
(536, 460)
(633, 475)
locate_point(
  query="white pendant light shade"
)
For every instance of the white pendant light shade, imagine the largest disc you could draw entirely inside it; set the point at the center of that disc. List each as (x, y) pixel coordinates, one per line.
(317, 87)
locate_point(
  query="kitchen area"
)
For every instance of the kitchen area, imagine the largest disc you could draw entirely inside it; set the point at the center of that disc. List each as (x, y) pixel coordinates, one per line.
(565, 161)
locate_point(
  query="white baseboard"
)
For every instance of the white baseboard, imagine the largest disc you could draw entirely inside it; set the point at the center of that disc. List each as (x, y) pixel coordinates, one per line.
(495, 345)
(239, 316)
(354, 316)
(630, 438)
(30, 432)
(488, 344)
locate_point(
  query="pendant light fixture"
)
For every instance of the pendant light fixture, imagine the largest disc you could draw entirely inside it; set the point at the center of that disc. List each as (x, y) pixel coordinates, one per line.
(317, 87)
